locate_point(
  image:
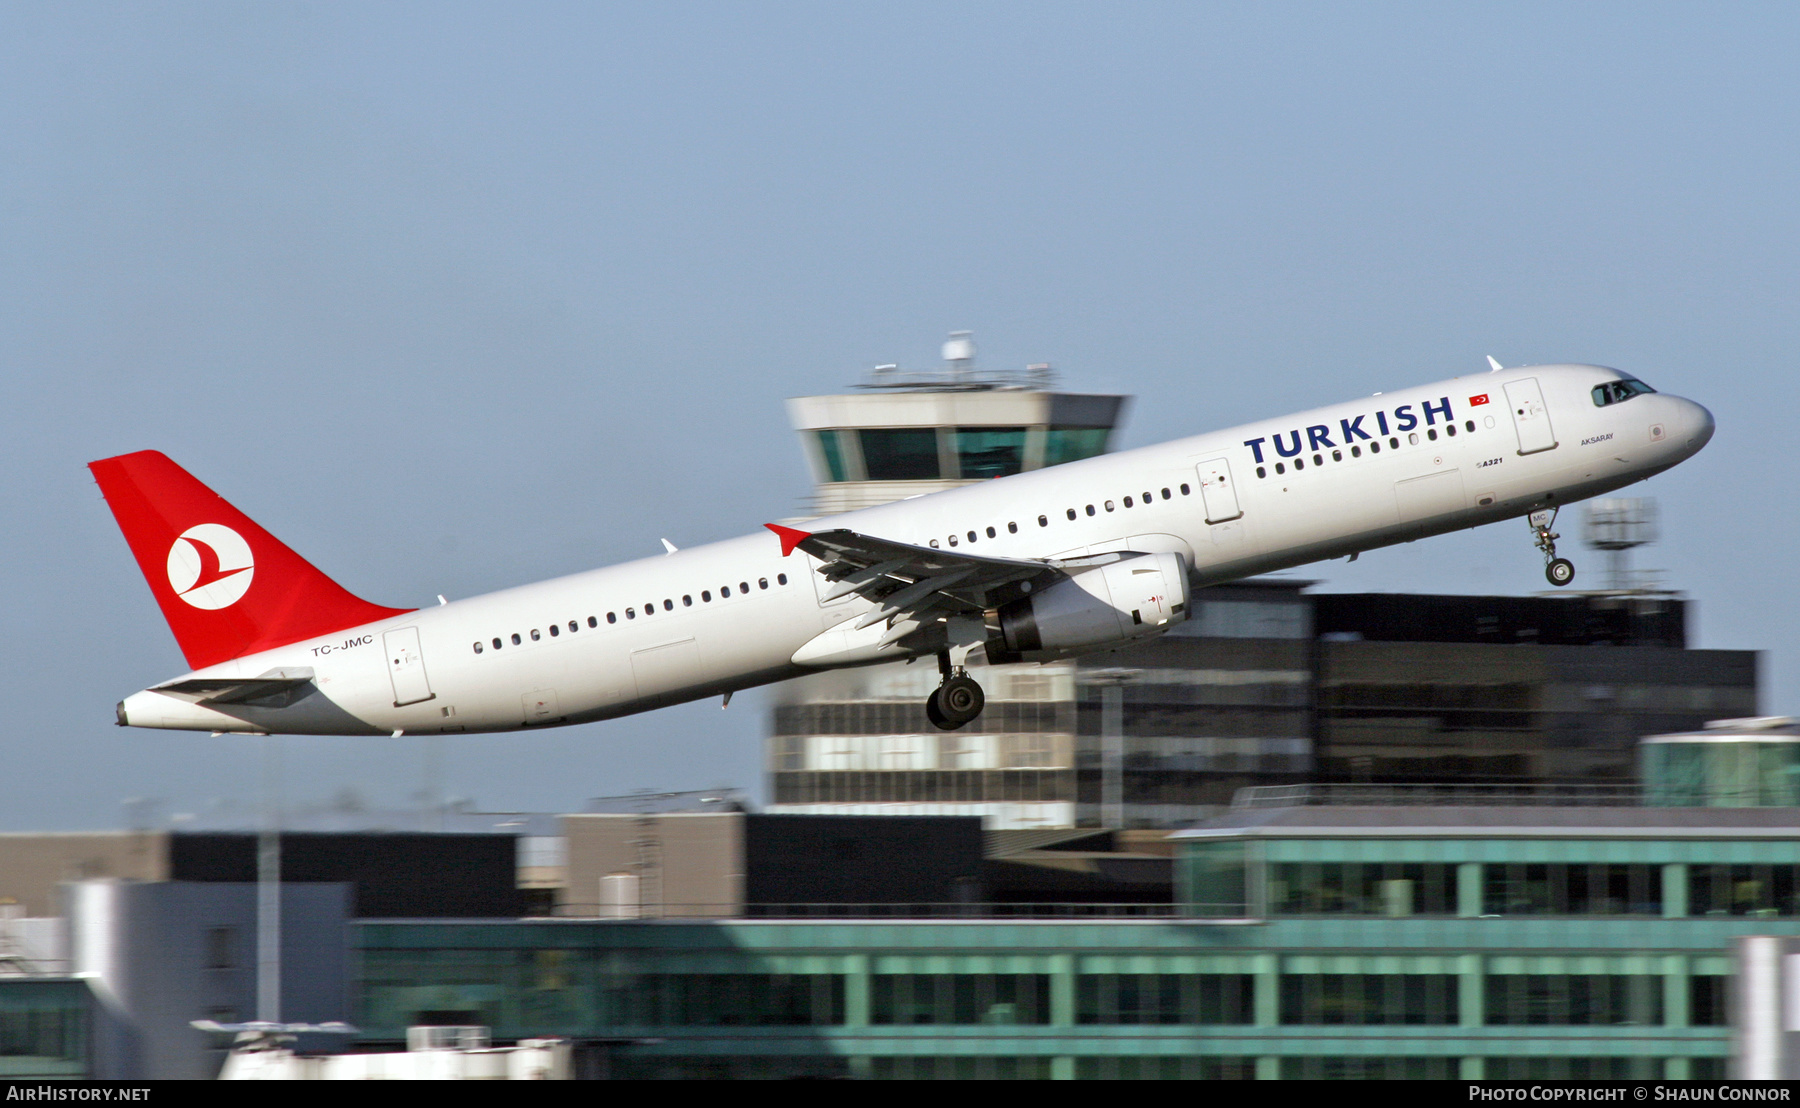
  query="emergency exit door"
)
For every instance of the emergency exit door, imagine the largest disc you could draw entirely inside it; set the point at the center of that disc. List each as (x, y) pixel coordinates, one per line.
(1218, 491)
(1531, 419)
(406, 666)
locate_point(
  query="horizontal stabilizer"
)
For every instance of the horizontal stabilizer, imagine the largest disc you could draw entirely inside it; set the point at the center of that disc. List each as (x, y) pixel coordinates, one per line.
(238, 690)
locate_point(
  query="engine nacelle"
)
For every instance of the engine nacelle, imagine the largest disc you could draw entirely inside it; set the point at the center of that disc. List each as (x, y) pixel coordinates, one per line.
(1106, 606)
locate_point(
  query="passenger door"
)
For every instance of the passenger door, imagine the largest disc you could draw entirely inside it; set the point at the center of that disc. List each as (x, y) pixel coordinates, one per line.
(1531, 419)
(406, 666)
(1218, 491)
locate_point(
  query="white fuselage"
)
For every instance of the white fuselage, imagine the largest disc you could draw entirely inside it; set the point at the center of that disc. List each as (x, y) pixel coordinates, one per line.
(718, 618)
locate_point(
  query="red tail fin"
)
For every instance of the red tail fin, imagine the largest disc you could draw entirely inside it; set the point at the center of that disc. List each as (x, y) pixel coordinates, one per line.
(226, 586)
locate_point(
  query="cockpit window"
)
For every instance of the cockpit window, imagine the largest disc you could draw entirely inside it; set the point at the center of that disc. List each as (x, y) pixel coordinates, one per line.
(1617, 392)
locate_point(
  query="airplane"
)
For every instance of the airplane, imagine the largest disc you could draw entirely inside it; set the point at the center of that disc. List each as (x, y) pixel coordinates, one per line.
(1085, 557)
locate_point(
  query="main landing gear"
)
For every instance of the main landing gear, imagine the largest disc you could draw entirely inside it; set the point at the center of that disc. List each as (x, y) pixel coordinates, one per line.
(957, 701)
(1560, 571)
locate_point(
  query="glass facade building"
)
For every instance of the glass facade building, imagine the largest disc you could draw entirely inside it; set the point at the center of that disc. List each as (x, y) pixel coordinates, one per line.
(1733, 763)
(45, 1027)
(1263, 685)
(1311, 940)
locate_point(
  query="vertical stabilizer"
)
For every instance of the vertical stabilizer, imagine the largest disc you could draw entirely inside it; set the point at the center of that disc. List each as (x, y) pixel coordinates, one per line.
(226, 586)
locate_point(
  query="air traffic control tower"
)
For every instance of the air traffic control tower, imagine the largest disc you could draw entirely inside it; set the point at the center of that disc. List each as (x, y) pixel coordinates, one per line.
(907, 433)
(857, 741)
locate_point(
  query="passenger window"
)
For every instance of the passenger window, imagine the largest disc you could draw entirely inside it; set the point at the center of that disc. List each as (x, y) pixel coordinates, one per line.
(992, 534)
(762, 582)
(1413, 439)
(1356, 451)
(1147, 499)
(1185, 490)
(516, 639)
(743, 586)
(1043, 521)
(1299, 464)
(1261, 472)
(971, 536)
(934, 544)
(610, 618)
(1090, 509)
(1375, 447)
(1337, 456)
(555, 630)
(1012, 528)
(687, 601)
(952, 540)
(1280, 468)
(1318, 460)
(592, 622)
(1071, 514)
(1469, 426)
(706, 596)
(1128, 502)
(1432, 434)
(649, 607)
(631, 613)
(1394, 443)
(1450, 430)
(1166, 494)
(1109, 505)
(668, 605)
(724, 591)
(477, 648)
(496, 644)
(535, 637)
(781, 578)
(573, 626)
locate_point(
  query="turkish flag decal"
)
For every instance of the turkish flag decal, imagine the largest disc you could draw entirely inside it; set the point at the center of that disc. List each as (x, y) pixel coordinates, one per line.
(1477, 401)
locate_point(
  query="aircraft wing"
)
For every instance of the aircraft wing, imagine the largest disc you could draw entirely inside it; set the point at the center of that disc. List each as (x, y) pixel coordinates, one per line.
(908, 582)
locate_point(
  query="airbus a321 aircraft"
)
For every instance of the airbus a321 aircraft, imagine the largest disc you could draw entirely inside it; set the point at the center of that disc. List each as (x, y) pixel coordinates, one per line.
(1088, 556)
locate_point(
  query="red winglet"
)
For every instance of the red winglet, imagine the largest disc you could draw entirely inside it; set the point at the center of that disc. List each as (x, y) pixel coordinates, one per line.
(790, 538)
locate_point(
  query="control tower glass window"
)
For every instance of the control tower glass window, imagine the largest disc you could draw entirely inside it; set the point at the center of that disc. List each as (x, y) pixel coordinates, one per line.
(1071, 444)
(900, 454)
(985, 452)
(833, 455)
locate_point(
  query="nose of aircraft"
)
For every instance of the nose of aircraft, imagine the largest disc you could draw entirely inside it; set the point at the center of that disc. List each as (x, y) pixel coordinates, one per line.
(1696, 424)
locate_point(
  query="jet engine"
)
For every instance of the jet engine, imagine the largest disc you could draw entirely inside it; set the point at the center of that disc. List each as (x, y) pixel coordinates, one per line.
(1109, 605)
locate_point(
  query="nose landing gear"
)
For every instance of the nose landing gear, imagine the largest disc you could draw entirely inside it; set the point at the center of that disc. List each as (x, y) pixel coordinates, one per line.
(957, 701)
(1560, 571)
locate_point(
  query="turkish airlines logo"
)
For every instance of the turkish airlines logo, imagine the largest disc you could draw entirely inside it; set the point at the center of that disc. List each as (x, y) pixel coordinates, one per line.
(210, 566)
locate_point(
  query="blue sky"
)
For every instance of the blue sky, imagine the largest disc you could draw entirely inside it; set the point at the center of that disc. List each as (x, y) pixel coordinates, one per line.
(453, 297)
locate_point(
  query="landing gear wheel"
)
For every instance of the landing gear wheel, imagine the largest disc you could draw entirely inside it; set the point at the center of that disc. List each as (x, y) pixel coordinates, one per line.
(961, 699)
(1560, 571)
(955, 703)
